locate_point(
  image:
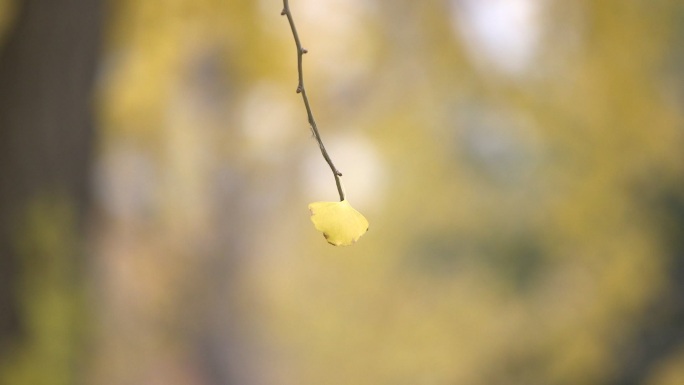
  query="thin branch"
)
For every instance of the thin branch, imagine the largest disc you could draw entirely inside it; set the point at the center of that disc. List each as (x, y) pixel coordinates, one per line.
(301, 90)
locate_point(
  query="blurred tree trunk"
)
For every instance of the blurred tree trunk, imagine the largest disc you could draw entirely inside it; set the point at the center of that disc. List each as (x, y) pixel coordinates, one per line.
(47, 68)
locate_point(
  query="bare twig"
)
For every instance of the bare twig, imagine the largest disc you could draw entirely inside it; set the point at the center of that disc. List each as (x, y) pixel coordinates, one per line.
(301, 90)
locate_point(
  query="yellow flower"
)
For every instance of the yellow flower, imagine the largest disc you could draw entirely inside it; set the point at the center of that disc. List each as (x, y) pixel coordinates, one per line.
(340, 223)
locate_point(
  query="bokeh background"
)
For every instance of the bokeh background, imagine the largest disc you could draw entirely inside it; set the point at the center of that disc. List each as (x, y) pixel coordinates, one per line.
(520, 163)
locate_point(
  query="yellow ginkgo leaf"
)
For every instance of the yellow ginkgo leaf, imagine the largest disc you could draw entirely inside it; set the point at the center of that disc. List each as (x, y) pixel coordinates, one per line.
(340, 223)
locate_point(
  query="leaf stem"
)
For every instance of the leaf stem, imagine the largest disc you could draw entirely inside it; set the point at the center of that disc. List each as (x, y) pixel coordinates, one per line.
(301, 90)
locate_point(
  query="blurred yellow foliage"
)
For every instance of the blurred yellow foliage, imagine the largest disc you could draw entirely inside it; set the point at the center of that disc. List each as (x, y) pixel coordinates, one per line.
(528, 224)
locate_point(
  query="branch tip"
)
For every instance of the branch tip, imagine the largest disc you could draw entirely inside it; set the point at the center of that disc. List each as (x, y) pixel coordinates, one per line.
(300, 90)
